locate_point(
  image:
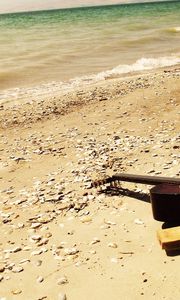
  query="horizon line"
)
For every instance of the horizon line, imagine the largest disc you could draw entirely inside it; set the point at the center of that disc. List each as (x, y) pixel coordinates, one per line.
(129, 2)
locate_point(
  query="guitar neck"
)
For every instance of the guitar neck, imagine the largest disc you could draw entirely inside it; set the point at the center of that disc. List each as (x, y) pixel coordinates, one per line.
(144, 179)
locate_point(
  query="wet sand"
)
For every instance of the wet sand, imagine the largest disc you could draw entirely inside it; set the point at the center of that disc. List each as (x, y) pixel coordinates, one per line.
(61, 239)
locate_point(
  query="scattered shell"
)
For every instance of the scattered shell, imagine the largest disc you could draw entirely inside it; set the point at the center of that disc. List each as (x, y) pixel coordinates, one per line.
(38, 263)
(2, 268)
(16, 249)
(62, 296)
(35, 225)
(138, 221)
(27, 248)
(36, 238)
(17, 269)
(86, 219)
(112, 245)
(109, 222)
(95, 241)
(114, 260)
(40, 279)
(24, 261)
(70, 251)
(1, 278)
(16, 292)
(36, 252)
(62, 280)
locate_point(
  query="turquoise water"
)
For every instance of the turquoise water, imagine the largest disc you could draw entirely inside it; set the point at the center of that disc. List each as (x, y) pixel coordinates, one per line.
(59, 45)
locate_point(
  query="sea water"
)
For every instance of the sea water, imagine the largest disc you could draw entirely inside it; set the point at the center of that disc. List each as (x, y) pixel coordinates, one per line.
(88, 43)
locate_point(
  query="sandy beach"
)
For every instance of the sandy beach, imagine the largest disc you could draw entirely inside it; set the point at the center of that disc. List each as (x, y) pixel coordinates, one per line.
(60, 238)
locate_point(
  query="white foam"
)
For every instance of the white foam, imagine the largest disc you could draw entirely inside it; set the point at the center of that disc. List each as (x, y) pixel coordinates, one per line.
(141, 65)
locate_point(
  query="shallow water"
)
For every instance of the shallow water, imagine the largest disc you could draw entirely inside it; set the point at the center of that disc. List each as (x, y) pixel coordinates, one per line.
(58, 45)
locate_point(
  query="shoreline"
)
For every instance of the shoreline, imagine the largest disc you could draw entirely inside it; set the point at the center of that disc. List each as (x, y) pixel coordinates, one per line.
(61, 239)
(51, 101)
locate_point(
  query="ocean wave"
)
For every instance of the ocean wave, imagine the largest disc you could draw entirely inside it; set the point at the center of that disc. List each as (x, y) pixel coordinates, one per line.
(141, 64)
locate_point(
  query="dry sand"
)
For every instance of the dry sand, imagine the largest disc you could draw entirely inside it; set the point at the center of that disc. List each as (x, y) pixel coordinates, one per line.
(61, 239)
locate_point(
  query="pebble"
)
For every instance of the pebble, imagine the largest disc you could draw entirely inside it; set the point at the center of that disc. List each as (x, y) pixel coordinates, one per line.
(1, 278)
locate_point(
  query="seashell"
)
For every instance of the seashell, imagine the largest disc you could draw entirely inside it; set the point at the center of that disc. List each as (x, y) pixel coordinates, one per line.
(36, 238)
(27, 248)
(86, 219)
(1, 278)
(24, 261)
(35, 225)
(95, 241)
(36, 252)
(62, 280)
(40, 279)
(17, 269)
(62, 296)
(38, 263)
(2, 268)
(70, 251)
(112, 245)
(16, 292)
(16, 249)
(114, 260)
(138, 221)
